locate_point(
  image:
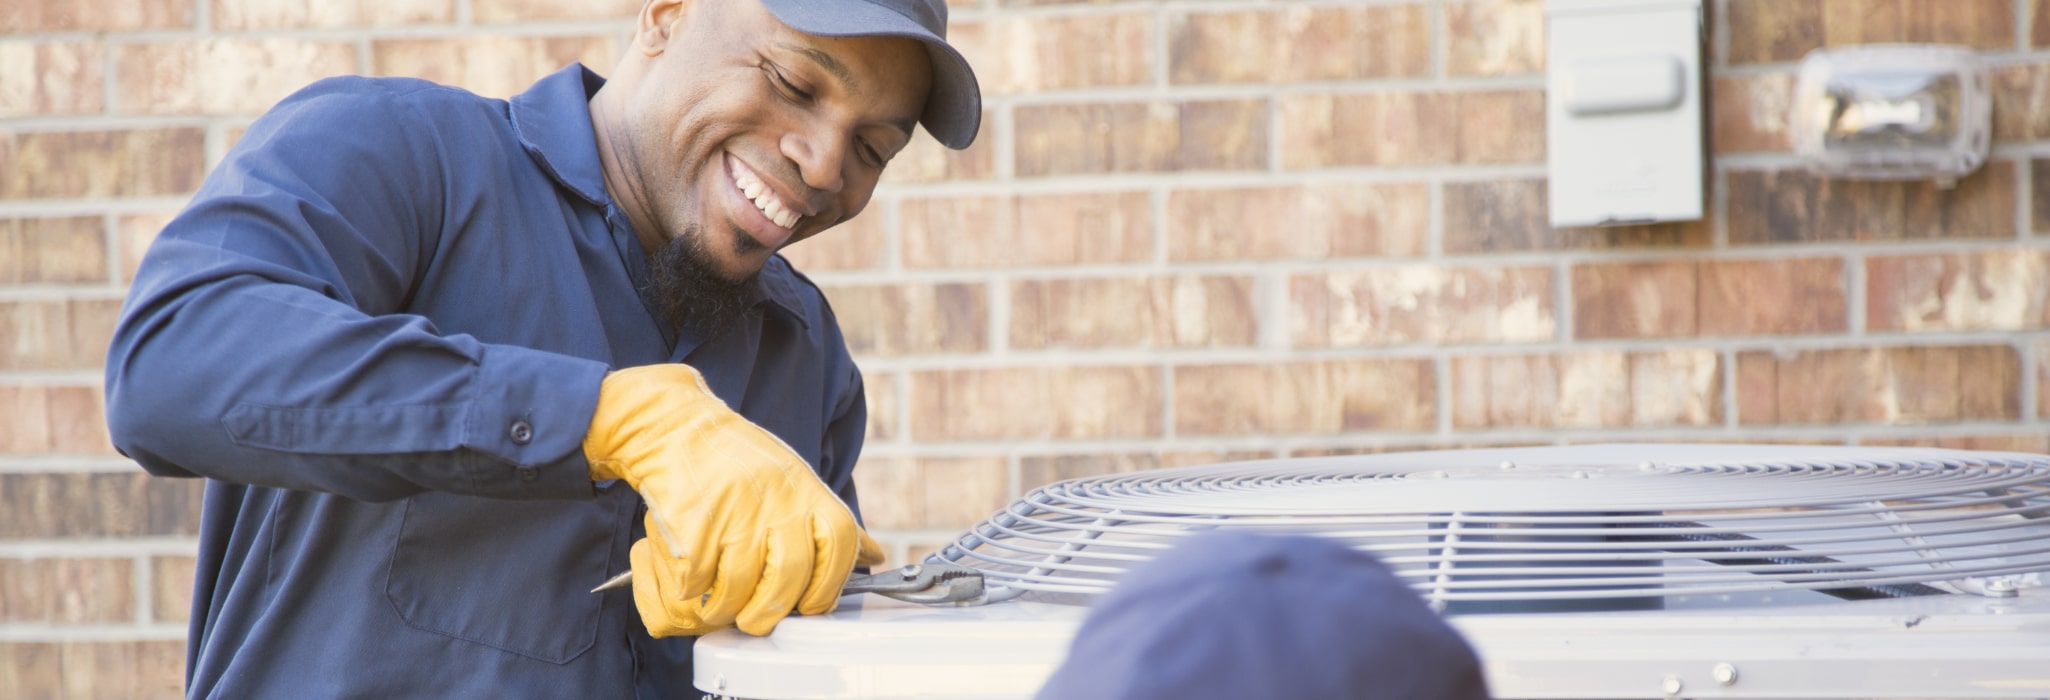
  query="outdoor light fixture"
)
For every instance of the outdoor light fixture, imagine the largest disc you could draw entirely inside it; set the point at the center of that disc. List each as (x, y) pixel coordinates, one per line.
(1893, 112)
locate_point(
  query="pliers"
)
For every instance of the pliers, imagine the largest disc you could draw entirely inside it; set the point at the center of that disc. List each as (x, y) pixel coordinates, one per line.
(924, 584)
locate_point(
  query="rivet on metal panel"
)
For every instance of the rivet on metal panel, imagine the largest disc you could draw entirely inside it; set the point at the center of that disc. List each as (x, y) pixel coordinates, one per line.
(1671, 685)
(1725, 674)
(1508, 465)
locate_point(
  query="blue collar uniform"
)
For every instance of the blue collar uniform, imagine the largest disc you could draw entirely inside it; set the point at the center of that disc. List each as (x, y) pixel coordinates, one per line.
(379, 331)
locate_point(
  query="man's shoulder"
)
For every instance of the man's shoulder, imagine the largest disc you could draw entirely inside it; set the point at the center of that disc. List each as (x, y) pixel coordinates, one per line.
(354, 96)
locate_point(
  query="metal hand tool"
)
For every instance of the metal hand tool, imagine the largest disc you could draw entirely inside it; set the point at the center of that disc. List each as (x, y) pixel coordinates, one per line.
(924, 584)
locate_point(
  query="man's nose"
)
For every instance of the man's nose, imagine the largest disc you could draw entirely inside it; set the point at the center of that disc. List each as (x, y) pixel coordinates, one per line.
(819, 153)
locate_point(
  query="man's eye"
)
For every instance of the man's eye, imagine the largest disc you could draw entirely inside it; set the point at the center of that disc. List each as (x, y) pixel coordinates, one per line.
(874, 155)
(784, 85)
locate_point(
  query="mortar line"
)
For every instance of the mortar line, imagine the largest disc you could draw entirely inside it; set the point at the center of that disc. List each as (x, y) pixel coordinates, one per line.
(143, 579)
(2031, 369)
(1855, 290)
(1728, 361)
(110, 236)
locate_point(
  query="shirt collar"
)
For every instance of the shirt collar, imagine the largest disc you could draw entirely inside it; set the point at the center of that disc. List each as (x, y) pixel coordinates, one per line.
(553, 121)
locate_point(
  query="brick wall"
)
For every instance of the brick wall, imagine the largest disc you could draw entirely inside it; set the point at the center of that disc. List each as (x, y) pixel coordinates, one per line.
(1190, 231)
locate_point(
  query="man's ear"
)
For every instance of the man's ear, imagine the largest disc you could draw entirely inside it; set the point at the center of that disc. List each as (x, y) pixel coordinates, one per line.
(659, 22)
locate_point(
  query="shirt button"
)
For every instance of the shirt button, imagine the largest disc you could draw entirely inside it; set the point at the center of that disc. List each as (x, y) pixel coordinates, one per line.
(522, 432)
(526, 473)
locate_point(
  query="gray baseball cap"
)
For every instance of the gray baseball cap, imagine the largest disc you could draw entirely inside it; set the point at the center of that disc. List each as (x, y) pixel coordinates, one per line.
(953, 112)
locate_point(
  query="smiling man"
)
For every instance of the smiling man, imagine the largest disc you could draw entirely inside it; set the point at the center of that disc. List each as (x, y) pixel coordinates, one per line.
(448, 362)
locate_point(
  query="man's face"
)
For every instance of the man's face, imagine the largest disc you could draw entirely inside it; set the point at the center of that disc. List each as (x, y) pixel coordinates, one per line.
(750, 135)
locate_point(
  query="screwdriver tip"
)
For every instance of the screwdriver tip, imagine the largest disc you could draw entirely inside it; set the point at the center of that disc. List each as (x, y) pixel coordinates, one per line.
(621, 581)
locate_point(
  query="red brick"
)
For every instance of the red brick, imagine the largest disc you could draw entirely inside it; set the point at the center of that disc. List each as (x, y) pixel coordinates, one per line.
(1034, 472)
(1771, 297)
(1315, 221)
(2042, 352)
(113, 670)
(925, 160)
(1752, 112)
(171, 588)
(77, 425)
(1060, 403)
(497, 11)
(1412, 128)
(2034, 442)
(217, 76)
(32, 16)
(1027, 230)
(27, 408)
(1784, 30)
(1422, 304)
(491, 65)
(884, 404)
(1992, 290)
(66, 250)
(1635, 300)
(1313, 397)
(136, 163)
(67, 591)
(1096, 138)
(1934, 384)
(1717, 297)
(37, 335)
(1787, 206)
(1296, 44)
(1016, 54)
(2039, 196)
(45, 78)
(1377, 449)
(912, 319)
(1495, 37)
(2039, 22)
(1980, 24)
(949, 493)
(133, 235)
(2021, 102)
(248, 15)
(860, 243)
(120, 504)
(1200, 457)
(1136, 312)
(1510, 215)
(1587, 390)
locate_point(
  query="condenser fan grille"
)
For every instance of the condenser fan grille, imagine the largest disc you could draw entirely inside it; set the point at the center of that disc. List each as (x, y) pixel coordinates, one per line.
(1624, 525)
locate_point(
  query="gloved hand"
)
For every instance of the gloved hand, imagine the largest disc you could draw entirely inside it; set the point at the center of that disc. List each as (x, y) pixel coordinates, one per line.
(731, 509)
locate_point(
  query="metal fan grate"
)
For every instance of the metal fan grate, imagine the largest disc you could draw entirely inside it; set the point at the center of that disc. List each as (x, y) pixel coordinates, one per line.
(1610, 526)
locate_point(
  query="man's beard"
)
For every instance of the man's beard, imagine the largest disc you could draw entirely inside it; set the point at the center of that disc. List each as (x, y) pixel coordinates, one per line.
(692, 291)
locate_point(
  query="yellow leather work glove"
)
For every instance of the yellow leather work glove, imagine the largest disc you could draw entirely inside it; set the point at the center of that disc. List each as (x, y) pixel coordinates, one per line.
(732, 511)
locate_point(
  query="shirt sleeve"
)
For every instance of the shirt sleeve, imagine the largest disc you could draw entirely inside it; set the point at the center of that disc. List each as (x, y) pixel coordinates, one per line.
(264, 340)
(847, 417)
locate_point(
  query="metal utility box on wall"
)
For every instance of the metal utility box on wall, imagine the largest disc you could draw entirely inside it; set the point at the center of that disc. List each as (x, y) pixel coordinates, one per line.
(1623, 111)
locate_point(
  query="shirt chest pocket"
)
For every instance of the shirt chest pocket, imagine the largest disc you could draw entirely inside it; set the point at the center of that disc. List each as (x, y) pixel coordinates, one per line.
(511, 575)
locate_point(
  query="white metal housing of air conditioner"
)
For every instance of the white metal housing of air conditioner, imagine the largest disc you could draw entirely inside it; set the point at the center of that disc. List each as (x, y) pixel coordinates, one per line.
(1606, 571)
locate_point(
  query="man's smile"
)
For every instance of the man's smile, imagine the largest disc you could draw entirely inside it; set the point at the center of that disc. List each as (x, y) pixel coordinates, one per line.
(771, 219)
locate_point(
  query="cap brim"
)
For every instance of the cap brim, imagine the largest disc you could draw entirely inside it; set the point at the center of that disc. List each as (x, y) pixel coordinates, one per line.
(953, 110)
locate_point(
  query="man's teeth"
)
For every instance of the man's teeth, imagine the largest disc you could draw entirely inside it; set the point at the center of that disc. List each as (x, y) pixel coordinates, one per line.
(765, 200)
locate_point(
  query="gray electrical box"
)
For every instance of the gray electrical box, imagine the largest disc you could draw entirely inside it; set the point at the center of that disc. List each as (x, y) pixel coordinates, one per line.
(1623, 111)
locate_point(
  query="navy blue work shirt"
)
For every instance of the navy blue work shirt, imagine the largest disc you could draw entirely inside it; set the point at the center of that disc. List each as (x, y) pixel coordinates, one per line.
(378, 330)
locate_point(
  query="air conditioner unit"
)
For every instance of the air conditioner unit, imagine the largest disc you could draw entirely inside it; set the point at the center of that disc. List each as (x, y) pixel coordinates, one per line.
(1602, 571)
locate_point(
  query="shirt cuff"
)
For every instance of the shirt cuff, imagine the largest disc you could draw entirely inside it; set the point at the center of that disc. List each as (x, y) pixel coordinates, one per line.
(527, 423)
